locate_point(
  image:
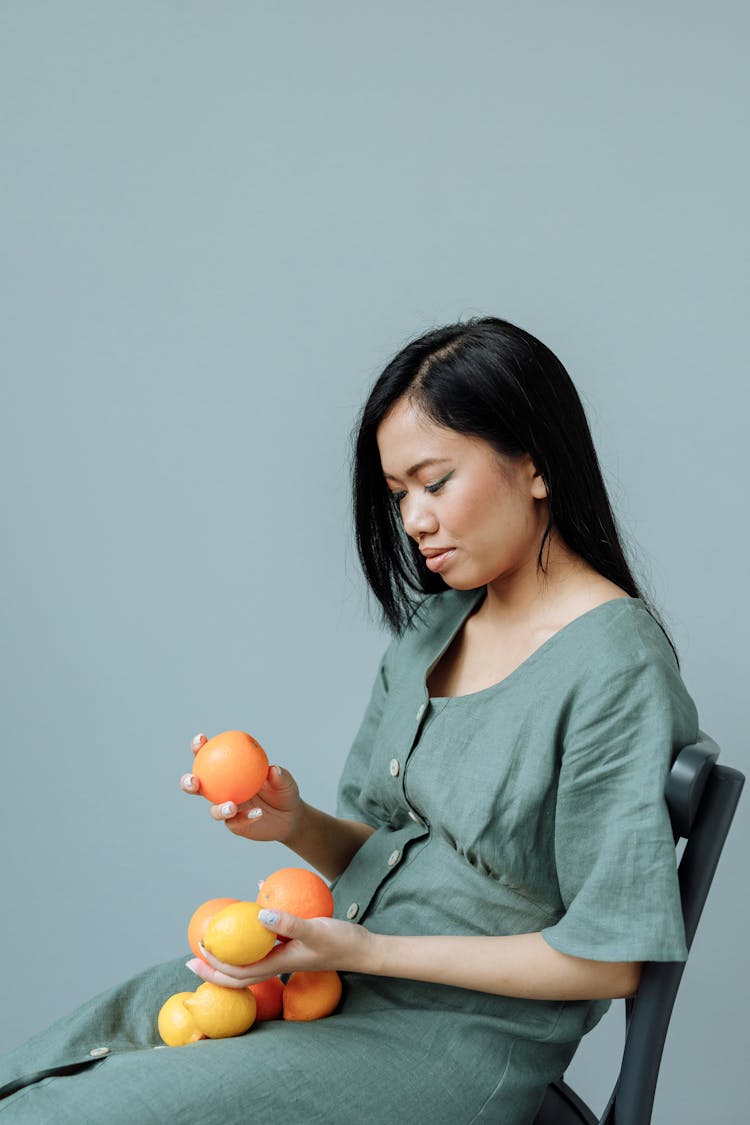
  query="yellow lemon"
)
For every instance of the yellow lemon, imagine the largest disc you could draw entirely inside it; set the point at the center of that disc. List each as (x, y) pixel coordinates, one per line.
(176, 1026)
(221, 1012)
(235, 935)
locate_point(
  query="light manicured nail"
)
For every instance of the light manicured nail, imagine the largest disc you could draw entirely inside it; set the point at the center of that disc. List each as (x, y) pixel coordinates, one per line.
(268, 917)
(253, 814)
(227, 809)
(189, 780)
(189, 965)
(198, 741)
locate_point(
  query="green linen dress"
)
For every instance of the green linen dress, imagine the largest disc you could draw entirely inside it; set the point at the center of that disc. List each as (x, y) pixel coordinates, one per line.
(533, 805)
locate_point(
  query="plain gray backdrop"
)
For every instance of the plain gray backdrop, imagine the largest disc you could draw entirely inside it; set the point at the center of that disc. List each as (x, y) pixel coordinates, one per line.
(219, 221)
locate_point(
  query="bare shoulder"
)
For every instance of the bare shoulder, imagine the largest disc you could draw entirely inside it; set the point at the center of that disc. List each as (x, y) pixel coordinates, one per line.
(596, 591)
(589, 592)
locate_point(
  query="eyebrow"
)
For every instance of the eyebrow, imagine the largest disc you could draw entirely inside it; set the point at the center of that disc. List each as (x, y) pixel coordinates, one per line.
(419, 465)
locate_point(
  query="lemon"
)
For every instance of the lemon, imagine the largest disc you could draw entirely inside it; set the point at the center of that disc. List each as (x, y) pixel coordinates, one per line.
(176, 1026)
(235, 935)
(220, 1012)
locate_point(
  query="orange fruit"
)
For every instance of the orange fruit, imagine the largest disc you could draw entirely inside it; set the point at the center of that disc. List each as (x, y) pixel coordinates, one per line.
(176, 1026)
(268, 1002)
(235, 935)
(201, 918)
(311, 996)
(230, 767)
(296, 890)
(221, 1012)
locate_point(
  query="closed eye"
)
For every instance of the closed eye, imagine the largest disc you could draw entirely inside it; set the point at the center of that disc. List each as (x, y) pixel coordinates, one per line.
(397, 497)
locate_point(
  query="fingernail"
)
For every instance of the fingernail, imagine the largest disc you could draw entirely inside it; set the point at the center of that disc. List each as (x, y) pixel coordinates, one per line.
(191, 965)
(268, 917)
(198, 741)
(253, 814)
(227, 809)
(279, 771)
(189, 781)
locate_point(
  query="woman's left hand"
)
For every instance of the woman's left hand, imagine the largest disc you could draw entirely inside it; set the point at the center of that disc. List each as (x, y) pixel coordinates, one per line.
(316, 944)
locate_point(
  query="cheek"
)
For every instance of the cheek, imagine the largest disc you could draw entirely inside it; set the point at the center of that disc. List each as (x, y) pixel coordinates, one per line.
(476, 511)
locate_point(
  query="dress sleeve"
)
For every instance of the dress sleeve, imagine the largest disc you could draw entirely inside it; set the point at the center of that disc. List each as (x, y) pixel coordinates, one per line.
(350, 802)
(614, 849)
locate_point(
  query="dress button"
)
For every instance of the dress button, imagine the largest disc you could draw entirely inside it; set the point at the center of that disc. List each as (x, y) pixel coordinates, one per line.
(421, 711)
(415, 818)
(353, 911)
(394, 767)
(99, 1052)
(394, 857)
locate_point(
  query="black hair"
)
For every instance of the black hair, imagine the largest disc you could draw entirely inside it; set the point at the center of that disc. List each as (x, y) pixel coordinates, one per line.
(484, 378)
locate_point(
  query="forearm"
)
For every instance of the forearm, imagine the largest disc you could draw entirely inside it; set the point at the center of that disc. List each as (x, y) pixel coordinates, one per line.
(326, 842)
(521, 965)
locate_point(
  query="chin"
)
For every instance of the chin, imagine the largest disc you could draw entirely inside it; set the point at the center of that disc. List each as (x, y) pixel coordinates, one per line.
(458, 583)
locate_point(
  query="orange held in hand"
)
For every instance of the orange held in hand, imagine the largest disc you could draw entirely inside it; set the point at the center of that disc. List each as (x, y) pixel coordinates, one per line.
(230, 767)
(311, 995)
(201, 918)
(295, 890)
(236, 936)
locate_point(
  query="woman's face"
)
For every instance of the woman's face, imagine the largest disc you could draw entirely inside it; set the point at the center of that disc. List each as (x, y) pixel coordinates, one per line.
(478, 517)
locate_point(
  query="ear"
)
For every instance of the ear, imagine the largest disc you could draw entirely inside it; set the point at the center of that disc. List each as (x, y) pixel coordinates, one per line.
(538, 488)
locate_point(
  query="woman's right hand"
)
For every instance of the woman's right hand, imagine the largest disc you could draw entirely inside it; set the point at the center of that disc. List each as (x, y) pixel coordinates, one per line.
(272, 814)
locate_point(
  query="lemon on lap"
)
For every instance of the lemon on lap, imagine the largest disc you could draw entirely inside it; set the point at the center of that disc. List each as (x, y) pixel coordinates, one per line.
(235, 935)
(221, 1012)
(176, 1025)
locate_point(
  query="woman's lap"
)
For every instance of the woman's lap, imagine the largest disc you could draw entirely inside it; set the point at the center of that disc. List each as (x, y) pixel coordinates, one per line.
(384, 1065)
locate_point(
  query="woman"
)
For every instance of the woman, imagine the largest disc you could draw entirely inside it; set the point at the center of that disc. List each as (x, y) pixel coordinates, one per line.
(502, 860)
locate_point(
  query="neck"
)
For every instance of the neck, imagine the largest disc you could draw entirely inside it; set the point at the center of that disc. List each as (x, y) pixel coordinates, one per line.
(532, 594)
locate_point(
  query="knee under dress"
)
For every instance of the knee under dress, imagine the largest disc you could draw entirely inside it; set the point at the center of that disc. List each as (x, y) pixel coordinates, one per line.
(533, 805)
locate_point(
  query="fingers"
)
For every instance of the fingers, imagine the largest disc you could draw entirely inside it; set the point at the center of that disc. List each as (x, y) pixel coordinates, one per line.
(189, 783)
(208, 973)
(236, 972)
(197, 742)
(229, 811)
(276, 777)
(224, 812)
(285, 925)
(210, 968)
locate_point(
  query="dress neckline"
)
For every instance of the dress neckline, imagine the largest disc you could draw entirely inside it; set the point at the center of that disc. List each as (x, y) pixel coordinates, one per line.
(531, 659)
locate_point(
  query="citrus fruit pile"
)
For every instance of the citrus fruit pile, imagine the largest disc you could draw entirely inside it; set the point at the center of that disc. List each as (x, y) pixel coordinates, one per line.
(229, 929)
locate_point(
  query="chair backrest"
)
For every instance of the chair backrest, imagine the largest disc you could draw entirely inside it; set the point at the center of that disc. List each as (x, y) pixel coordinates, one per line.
(702, 797)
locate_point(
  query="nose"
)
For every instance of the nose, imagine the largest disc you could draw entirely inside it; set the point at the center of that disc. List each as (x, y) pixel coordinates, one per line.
(418, 517)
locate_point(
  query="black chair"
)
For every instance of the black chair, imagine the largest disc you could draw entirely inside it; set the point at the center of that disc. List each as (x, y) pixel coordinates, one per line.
(702, 797)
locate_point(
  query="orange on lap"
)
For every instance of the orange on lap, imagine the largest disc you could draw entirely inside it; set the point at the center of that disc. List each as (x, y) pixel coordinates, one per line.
(176, 1025)
(295, 890)
(201, 918)
(221, 1012)
(230, 767)
(268, 998)
(311, 995)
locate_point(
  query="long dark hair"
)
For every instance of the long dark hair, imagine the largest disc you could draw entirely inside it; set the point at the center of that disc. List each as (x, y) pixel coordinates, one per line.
(484, 378)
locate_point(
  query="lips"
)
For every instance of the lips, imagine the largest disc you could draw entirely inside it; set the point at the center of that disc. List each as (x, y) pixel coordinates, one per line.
(437, 557)
(430, 552)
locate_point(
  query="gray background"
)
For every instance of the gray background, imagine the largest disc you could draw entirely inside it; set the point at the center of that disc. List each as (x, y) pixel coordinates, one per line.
(219, 220)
